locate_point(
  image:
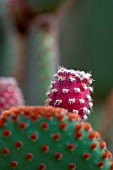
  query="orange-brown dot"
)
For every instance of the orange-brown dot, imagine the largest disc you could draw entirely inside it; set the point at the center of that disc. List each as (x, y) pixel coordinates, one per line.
(102, 145)
(34, 137)
(29, 156)
(94, 135)
(2, 123)
(72, 166)
(106, 155)
(63, 126)
(73, 117)
(26, 114)
(111, 166)
(34, 118)
(78, 135)
(13, 164)
(45, 148)
(93, 146)
(22, 125)
(60, 117)
(78, 127)
(5, 151)
(49, 117)
(87, 127)
(101, 164)
(56, 136)
(71, 147)
(7, 133)
(19, 145)
(58, 156)
(42, 167)
(14, 118)
(44, 126)
(86, 156)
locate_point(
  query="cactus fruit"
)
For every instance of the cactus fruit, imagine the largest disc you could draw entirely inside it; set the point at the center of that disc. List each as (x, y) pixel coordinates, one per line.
(10, 94)
(71, 90)
(46, 138)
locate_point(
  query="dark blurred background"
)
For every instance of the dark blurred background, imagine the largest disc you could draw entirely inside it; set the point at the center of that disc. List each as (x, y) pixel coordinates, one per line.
(85, 42)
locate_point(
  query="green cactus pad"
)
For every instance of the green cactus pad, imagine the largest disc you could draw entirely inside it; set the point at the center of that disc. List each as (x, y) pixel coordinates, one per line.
(45, 5)
(47, 138)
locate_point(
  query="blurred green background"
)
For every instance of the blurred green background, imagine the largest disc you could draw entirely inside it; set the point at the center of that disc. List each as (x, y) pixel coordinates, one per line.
(85, 41)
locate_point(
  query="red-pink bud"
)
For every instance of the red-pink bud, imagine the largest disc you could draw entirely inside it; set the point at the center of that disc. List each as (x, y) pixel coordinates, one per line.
(10, 94)
(71, 90)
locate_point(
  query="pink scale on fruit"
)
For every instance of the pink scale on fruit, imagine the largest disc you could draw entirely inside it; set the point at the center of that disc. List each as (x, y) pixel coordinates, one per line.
(10, 94)
(71, 90)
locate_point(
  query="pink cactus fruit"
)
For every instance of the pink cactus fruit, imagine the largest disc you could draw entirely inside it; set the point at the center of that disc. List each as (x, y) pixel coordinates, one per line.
(10, 94)
(71, 90)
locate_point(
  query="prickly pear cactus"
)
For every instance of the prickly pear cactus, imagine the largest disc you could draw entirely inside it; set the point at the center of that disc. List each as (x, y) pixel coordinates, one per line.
(10, 94)
(71, 90)
(46, 138)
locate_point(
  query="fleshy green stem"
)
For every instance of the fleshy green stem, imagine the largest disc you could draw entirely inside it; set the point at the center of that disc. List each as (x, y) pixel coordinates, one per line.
(43, 65)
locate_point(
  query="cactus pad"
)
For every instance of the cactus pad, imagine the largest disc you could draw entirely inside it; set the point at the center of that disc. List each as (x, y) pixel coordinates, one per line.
(46, 138)
(71, 90)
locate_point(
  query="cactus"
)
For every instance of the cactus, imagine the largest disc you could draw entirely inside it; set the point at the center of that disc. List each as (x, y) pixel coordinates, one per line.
(46, 138)
(44, 52)
(10, 94)
(71, 90)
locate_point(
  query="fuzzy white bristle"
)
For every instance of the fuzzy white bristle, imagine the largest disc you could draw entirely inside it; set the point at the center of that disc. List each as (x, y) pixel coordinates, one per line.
(88, 111)
(48, 101)
(65, 91)
(87, 75)
(84, 86)
(75, 111)
(54, 90)
(85, 117)
(48, 93)
(91, 105)
(71, 101)
(89, 97)
(90, 81)
(82, 101)
(61, 70)
(58, 102)
(85, 110)
(77, 90)
(72, 79)
(56, 75)
(61, 78)
(53, 82)
(91, 89)
(81, 78)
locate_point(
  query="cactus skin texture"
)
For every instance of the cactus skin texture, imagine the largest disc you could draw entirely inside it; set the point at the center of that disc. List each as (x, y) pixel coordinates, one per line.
(10, 94)
(71, 90)
(46, 138)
